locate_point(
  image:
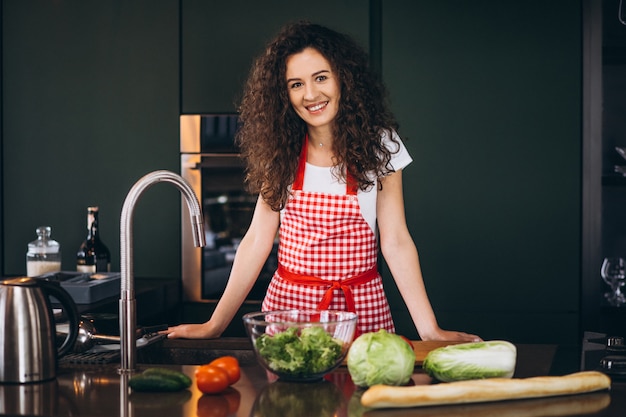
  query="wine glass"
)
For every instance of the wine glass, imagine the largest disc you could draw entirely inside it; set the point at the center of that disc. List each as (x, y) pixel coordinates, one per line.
(614, 274)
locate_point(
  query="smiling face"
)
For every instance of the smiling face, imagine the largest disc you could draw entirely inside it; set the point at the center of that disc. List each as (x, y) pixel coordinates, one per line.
(313, 88)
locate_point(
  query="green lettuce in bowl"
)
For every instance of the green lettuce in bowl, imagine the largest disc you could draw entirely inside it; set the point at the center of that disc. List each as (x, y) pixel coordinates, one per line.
(306, 352)
(301, 345)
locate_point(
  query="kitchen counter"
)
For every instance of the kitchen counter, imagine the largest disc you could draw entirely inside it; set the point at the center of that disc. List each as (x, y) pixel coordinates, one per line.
(99, 390)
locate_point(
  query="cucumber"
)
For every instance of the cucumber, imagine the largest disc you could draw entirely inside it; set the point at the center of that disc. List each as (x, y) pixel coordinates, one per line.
(159, 380)
(154, 383)
(183, 379)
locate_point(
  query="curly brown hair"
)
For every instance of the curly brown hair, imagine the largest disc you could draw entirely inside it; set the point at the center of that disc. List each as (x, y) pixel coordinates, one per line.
(271, 134)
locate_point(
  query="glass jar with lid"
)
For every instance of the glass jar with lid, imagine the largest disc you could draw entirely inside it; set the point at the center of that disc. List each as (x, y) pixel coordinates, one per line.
(44, 254)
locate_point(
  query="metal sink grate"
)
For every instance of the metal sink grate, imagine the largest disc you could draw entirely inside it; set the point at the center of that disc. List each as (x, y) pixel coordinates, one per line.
(91, 358)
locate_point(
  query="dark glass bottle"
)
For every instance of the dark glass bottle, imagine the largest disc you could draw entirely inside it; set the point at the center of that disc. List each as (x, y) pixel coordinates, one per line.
(93, 255)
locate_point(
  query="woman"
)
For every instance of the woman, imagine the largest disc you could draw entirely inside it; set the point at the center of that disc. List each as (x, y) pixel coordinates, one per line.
(322, 152)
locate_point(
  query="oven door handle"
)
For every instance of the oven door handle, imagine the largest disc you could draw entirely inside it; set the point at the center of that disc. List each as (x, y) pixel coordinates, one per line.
(223, 160)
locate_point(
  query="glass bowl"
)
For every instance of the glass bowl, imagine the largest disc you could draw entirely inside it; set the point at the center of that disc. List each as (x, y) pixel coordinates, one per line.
(301, 345)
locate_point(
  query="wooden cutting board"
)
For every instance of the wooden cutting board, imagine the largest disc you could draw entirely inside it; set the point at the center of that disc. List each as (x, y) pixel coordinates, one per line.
(422, 348)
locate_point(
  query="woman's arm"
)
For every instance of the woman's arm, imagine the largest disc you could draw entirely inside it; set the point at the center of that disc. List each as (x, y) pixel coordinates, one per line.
(401, 256)
(251, 255)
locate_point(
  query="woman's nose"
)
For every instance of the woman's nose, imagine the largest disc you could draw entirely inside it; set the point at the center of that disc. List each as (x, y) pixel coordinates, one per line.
(310, 92)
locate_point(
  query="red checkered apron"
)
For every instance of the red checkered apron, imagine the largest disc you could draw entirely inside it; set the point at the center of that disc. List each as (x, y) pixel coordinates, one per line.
(327, 258)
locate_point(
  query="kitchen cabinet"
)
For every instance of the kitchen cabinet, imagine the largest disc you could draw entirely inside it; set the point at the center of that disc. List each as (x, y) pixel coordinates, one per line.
(613, 228)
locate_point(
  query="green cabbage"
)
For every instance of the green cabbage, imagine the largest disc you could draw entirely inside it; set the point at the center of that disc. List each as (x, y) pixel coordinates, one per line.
(380, 358)
(479, 360)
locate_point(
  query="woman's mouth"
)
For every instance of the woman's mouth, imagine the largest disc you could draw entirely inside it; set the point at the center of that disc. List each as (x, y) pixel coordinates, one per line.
(317, 107)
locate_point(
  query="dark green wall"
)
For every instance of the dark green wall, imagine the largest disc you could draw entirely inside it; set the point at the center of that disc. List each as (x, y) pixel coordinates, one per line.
(489, 97)
(92, 98)
(488, 94)
(90, 105)
(219, 43)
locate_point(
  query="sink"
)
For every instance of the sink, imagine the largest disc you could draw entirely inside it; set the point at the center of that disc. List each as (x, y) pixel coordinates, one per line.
(196, 352)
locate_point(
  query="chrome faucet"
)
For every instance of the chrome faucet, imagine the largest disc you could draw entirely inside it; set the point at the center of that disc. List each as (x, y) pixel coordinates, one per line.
(127, 305)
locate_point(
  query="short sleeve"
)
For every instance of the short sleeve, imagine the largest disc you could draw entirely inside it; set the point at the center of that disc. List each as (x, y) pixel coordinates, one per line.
(400, 157)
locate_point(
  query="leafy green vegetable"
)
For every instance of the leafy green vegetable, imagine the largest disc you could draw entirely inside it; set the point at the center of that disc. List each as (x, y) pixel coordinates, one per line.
(380, 358)
(479, 360)
(303, 353)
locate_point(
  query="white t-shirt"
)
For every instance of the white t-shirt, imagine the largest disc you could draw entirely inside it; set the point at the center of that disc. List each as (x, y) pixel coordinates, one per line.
(321, 179)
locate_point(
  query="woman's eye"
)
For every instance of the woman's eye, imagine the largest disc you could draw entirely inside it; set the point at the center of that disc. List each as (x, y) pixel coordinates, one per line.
(321, 78)
(295, 85)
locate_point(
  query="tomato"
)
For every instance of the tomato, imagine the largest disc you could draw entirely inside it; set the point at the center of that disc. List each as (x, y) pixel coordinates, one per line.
(233, 397)
(231, 365)
(212, 406)
(211, 379)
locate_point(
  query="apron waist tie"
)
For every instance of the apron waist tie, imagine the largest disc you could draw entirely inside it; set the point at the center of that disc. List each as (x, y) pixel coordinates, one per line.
(343, 285)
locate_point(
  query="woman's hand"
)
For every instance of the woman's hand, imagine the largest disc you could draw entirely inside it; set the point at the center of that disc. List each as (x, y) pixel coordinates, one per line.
(191, 331)
(450, 335)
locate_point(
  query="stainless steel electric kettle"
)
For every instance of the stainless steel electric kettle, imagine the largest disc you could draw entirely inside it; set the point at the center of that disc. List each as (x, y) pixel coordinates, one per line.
(28, 350)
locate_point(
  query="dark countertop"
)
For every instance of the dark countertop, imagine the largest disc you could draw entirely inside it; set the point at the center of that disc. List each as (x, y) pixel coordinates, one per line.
(98, 390)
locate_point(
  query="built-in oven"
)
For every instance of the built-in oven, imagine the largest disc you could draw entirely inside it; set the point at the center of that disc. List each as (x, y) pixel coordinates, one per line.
(210, 162)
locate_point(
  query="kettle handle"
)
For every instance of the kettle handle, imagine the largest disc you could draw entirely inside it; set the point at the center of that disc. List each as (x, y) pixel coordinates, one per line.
(69, 306)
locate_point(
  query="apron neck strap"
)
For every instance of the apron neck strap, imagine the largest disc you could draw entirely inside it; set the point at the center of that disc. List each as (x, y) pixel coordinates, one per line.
(297, 184)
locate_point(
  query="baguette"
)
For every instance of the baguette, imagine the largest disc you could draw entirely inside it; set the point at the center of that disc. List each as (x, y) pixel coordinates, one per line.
(562, 406)
(484, 390)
